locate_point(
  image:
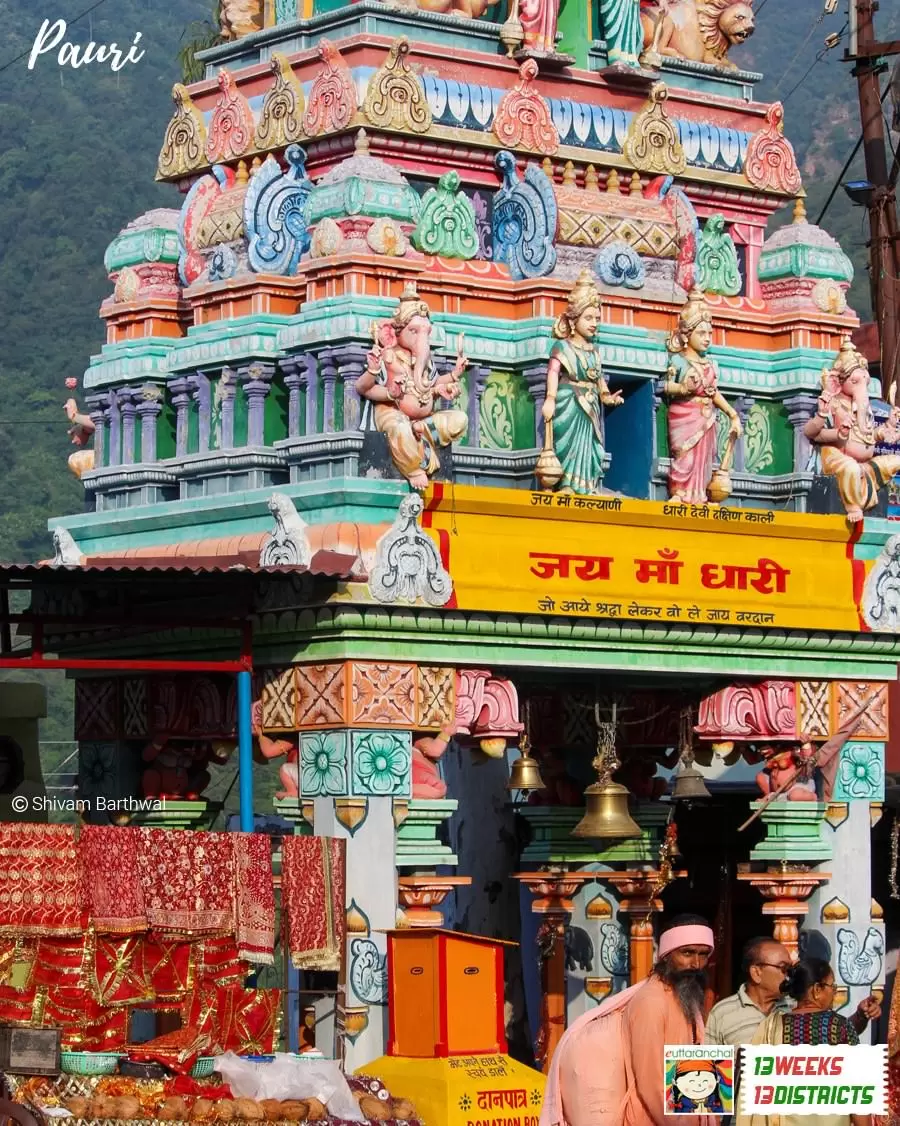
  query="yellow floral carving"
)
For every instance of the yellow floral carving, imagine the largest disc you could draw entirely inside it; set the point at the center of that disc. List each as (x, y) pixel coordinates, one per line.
(395, 96)
(652, 144)
(184, 145)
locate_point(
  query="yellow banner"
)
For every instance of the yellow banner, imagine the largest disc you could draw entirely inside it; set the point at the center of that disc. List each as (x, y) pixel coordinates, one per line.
(647, 561)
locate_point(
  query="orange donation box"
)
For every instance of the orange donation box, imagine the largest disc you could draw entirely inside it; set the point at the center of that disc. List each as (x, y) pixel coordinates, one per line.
(445, 993)
(446, 1039)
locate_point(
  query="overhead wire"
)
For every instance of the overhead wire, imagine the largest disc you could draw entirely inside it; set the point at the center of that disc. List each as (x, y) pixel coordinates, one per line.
(787, 70)
(28, 50)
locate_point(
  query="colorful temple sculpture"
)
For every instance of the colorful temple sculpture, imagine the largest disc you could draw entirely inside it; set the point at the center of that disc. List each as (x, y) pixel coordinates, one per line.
(468, 399)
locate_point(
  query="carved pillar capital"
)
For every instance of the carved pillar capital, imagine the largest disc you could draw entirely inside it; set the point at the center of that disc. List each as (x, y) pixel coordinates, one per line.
(128, 398)
(327, 372)
(535, 376)
(296, 379)
(180, 398)
(257, 380)
(800, 409)
(149, 408)
(350, 360)
(97, 407)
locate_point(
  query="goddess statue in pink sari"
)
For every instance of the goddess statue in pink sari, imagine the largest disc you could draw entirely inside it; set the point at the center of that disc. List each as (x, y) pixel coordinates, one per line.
(692, 389)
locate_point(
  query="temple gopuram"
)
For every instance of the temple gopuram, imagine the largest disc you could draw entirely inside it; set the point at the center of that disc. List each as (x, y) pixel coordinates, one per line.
(470, 449)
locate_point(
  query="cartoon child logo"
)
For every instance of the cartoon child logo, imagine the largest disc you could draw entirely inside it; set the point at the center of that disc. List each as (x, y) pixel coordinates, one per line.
(699, 1086)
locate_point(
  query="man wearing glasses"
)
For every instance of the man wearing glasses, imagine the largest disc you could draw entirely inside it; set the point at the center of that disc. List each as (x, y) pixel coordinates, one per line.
(765, 965)
(735, 1019)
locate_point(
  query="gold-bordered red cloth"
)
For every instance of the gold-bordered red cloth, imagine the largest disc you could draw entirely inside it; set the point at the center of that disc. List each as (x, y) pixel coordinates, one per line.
(187, 880)
(254, 898)
(216, 961)
(85, 1023)
(166, 968)
(63, 962)
(312, 894)
(42, 891)
(17, 956)
(117, 971)
(246, 1021)
(22, 1006)
(176, 1050)
(109, 854)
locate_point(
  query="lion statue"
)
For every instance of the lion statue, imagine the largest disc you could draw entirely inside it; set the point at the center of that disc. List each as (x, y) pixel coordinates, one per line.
(240, 17)
(701, 31)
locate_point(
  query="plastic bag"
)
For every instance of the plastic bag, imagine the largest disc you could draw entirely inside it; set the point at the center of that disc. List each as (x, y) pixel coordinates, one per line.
(291, 1077)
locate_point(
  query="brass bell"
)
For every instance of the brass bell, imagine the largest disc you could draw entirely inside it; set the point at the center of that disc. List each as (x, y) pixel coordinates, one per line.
(606, 814)
(525, 774)
(689, 784)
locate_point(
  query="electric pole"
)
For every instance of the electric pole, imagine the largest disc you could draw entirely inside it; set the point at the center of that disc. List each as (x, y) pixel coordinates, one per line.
(868, 54)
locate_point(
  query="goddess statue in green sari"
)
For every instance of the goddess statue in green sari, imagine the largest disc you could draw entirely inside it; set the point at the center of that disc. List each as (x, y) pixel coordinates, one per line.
(576, 390)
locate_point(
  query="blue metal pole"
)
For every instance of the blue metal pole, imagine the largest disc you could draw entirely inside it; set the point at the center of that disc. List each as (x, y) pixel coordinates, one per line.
(245, 751)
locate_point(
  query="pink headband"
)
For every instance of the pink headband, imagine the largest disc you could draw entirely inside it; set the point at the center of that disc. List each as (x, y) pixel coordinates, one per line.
(685, 936)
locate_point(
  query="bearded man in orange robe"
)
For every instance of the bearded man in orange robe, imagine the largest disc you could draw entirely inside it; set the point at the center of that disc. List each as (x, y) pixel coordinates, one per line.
(609, 1067)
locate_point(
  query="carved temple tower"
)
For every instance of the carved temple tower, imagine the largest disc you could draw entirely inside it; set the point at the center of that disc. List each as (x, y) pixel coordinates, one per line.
(337, 160)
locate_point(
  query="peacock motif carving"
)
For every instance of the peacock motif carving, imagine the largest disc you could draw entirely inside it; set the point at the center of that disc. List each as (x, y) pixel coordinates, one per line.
(860, 964)
(525, 220)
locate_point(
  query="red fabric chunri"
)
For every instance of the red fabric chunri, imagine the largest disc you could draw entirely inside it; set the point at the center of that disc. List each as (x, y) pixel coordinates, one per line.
(42, 890)
(246, 1021)
(254, 898)
(176, 1050)
(187, 879)
(312, 888)
(110, 857)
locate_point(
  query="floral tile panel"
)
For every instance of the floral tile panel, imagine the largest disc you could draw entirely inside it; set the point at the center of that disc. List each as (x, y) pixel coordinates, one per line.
(860, 774)
(381, 763)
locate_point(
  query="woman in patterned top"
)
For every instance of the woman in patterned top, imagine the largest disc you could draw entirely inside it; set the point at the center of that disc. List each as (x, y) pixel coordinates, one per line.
(811, 984)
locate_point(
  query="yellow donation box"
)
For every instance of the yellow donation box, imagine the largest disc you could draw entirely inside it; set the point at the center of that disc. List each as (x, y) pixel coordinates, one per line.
(446, 1039)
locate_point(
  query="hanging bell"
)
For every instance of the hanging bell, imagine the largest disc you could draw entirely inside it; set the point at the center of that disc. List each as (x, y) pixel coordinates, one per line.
(606, 814)
(525, 774)
(689, 785)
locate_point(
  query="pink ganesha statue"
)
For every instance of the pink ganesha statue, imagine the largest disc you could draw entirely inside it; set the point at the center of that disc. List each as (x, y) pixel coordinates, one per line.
(402, 382)
(844, 428)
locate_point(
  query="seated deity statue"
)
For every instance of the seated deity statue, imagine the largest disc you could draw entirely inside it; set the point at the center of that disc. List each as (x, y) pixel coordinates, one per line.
(844, 429)
(403, 383)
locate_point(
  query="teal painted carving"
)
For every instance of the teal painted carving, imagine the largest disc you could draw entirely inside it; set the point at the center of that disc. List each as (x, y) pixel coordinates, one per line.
(323, 764)
(285, 10)
(620, 264)
(381, 763)
(507, 413)
(525, 218)
(717, 264)
(758, 452)
(620, 26)
(860, 774)
(447, 223)
(723, 424)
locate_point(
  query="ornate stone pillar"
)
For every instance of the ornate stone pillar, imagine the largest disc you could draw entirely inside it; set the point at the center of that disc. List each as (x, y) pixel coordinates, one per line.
(742, 405)
(257, 383)
(149, 408)
(351, 363)
(180, 391)
(114, 418)
(536, 381)
(327, 377)
(128, 402)
(638, 891)
(296, 379)
(96, 405)
(751, 237)
(202, 392)
(476, 376)
(800, 409)
(552, 891)
(786, 889)
(226, 389)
